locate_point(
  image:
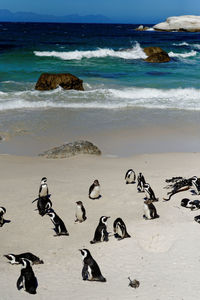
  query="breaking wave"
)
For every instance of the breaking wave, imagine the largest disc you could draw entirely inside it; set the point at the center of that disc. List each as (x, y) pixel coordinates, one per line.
(135, 52)
(102, 98)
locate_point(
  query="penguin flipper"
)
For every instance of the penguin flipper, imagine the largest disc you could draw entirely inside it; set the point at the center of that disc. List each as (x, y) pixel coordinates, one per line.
(20, 282)
(85, 272)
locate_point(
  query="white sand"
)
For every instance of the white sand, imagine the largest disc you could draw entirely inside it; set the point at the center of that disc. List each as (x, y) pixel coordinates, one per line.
(163, 254)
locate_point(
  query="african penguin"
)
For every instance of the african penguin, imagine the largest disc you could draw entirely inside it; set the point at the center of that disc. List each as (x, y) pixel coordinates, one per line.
(149, 210)
(43, 190)
(80, 212)
(141, 182)
(43, 204)
(16, 258)
(60, 228)
(94, 190)
(197, 219)
(149, 192)
(119, 229)
(2, 212)
(101, 233)
(196, 184)
(185, 202)
(91, 270)
(27, 279)
(130, 176)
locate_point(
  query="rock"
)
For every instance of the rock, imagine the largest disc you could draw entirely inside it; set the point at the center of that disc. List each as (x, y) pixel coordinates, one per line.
(67, 81)
(142, 28)
(71, 149)
(156, 55)
(181, 23)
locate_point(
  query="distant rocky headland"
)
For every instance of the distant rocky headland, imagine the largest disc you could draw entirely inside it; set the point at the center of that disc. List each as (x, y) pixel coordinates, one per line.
(186, 23)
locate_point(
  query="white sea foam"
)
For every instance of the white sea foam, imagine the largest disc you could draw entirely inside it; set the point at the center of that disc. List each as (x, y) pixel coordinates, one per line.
(183, 55)
(135, 52)
(181, 44)
(102, 98)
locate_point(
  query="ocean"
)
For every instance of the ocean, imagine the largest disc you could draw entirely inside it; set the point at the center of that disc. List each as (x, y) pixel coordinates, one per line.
(123, 93)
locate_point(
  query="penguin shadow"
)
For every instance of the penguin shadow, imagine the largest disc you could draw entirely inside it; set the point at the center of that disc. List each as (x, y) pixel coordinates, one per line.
(5, 222)
(133, 182)
(97, 198)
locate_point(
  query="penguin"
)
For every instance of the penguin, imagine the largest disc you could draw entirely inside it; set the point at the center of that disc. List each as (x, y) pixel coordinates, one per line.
(16, 258)
(149, 210)
(43, 204)
(197, 219)
(119, 229)
(130, 176)
(43, 190)
(91, 270)
(196, 184)
(27, 279)
(80, 212)
(60, 228)
(2, 212)
(94, 190)
(149, 192)
(101, 233)
(185, 202)
(141, 182)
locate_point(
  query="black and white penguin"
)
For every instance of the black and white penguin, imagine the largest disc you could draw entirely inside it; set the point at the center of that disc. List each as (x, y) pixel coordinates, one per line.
(80, 212)
(2, 212)
(91, 270)
(196, 184)
(149, 210)
(185, 202)
(197, 219)
(141, 182)
(149, 192)
(27, 279)
(101, 234)
(43, 204)
(94, 190)
(60, 227)
(119, 229)
(130, 176)
(16, 258)
(43, 190)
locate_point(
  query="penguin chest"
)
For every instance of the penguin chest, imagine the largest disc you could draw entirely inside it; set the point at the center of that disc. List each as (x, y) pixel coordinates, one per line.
(119, 230)
(95, 192)
(43, 191)
(130, 177)
(79, 213)
(147, 211)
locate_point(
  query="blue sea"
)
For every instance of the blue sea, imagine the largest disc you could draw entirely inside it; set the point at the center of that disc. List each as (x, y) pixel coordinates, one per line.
(121, 89)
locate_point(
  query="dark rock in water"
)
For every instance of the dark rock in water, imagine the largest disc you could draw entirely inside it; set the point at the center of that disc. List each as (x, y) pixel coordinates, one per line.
(71, 149)
(156, 55)
(67, 81)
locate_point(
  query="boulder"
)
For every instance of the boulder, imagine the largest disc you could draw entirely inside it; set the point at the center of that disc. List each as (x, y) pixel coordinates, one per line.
(67, 81)
(184, 23)
(71, 149)
(142, 28)
(156, 55)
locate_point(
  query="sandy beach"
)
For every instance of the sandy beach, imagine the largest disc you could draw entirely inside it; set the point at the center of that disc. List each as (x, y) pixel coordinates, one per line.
(163, 254)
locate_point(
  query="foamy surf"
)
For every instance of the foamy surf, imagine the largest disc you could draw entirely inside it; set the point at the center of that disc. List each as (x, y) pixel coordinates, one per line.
(103, 98)
(183, 55)
(135, 52)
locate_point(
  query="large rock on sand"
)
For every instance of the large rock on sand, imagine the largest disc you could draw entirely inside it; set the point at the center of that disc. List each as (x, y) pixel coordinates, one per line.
(156, 55)
(182, 23)
(67, 81)
(71, 149)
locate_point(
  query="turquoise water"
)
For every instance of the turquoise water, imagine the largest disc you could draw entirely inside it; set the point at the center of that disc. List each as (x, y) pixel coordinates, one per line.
(122, 91)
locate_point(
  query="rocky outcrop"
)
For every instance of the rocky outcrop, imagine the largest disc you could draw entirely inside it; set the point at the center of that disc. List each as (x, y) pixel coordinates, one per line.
(71, 149)
(142, 28)
(156, 55)
(67, 81)
(182, 23)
